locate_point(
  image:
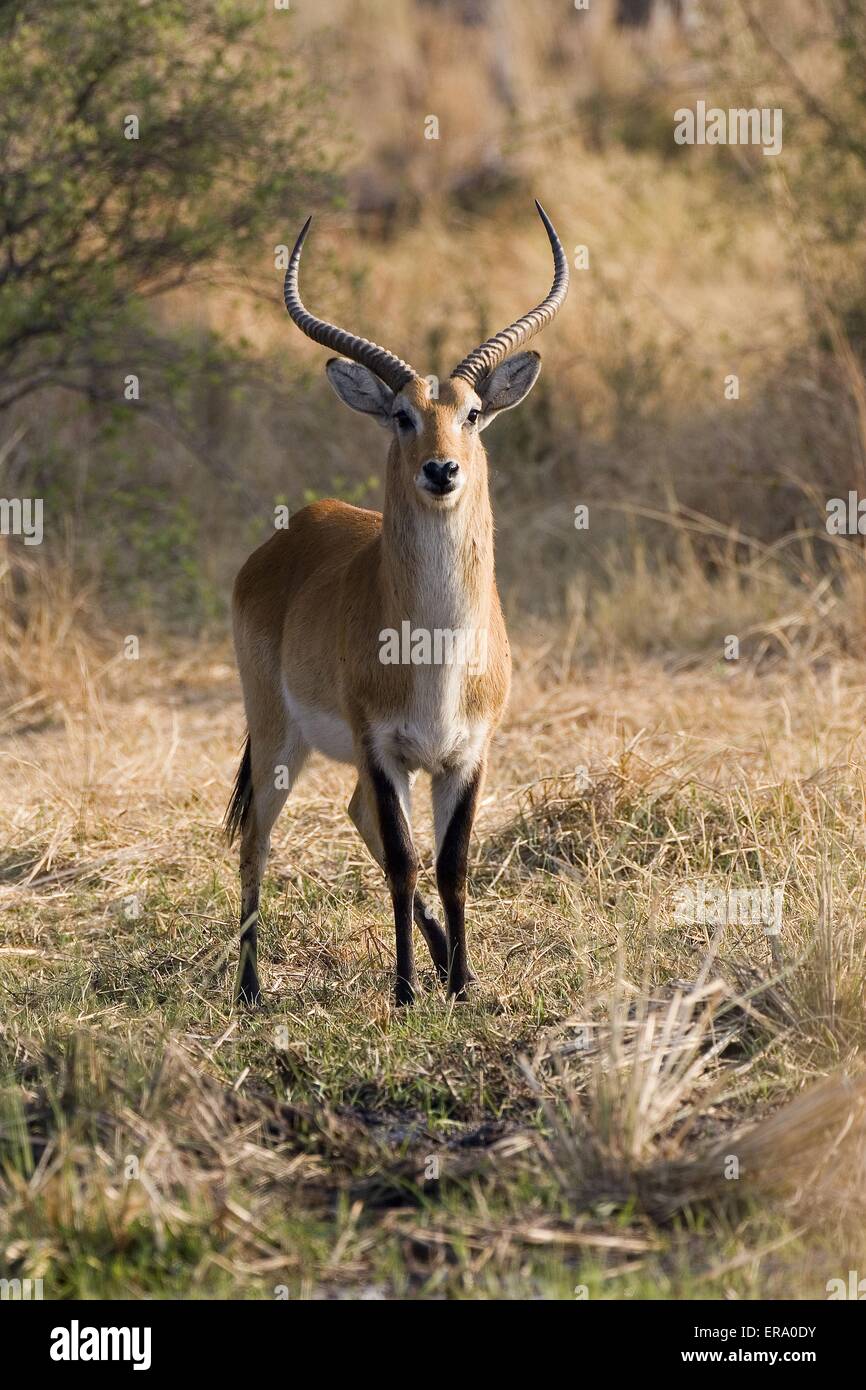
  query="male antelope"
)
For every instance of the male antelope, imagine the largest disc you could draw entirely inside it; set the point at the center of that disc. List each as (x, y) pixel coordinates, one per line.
(311, 605)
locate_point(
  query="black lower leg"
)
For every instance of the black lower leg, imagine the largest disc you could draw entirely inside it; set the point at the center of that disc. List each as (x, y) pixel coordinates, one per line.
(451, 867)
(401, 868)
(248, 990)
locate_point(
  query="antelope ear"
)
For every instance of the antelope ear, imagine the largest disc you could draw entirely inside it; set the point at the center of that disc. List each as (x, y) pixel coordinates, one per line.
(360, 389)
(508, 384)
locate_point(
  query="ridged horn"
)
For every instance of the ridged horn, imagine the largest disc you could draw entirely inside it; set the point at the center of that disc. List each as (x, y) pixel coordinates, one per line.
(482, 361)
(390, 369)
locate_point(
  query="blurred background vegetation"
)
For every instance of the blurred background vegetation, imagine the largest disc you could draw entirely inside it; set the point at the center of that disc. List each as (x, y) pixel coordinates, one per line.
(156, 256)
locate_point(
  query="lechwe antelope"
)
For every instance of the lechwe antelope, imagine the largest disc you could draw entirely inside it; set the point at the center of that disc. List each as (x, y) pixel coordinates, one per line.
(316, 605)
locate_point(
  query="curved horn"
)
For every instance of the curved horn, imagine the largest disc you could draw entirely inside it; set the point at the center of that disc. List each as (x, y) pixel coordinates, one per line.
(482, 361)
(390, 369)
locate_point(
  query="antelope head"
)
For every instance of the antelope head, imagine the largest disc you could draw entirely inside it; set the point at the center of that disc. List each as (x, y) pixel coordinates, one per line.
(436, 457)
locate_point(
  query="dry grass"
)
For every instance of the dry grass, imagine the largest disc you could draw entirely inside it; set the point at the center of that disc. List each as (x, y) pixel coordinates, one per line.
(49, 649)
(570, 1127)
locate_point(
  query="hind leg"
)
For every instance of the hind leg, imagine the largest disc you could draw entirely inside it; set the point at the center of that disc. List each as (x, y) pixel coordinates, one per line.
(365, 822)
(276, 757)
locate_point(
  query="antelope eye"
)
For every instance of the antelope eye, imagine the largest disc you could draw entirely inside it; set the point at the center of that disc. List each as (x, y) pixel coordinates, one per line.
(404, 420)
(472, 417)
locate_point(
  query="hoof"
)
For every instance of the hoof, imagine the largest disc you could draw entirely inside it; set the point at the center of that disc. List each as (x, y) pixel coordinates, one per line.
(404, 993)
(460, 993)
(458, 989)
(248, 994)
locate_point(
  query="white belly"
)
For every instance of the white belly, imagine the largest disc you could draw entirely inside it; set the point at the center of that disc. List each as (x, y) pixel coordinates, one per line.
(325, 732)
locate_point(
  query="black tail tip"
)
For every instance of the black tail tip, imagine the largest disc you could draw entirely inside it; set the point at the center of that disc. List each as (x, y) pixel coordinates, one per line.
(241, 797)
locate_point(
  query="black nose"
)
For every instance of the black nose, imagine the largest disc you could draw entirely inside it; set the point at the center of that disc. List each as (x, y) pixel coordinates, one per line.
(441, 475)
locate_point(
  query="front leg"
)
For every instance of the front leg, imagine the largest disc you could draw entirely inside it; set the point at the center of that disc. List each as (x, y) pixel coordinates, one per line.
(455, 801)
(391, 795)
(364, 816)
